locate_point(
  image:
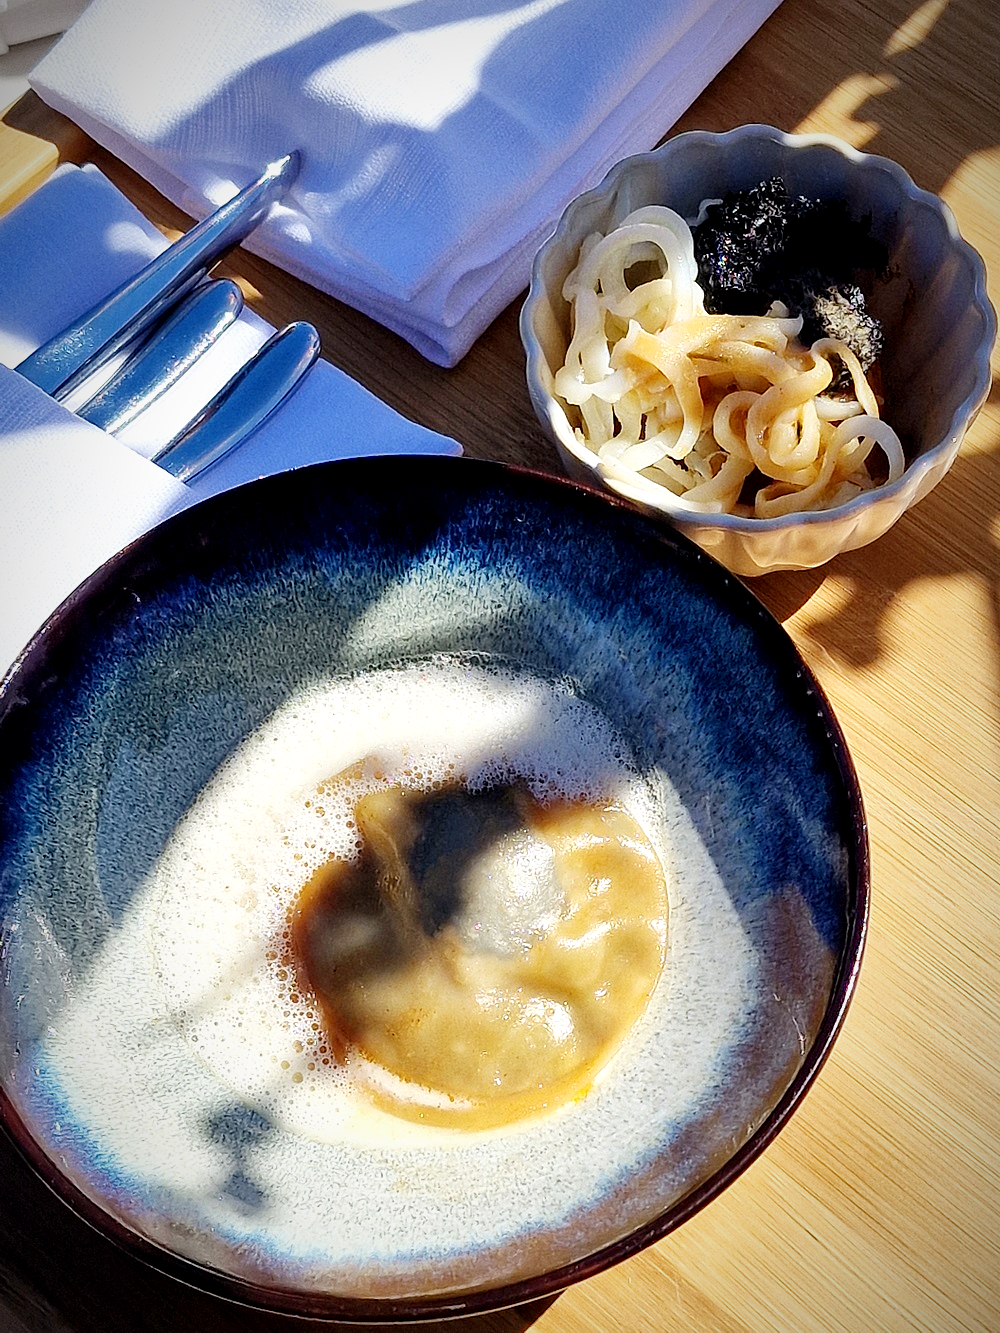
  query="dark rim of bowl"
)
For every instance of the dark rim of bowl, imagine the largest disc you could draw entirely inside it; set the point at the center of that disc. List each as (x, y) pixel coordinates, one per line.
(360, 1311)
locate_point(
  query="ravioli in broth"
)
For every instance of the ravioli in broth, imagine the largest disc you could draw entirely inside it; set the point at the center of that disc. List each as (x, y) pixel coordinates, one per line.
(456, 931)
(485, 953)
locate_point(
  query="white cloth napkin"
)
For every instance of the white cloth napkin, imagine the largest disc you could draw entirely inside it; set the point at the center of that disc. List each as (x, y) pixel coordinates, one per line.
(441, 138)
(70, 495)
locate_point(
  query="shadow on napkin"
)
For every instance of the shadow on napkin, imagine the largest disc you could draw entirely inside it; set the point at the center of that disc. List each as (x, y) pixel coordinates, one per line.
(441, 138)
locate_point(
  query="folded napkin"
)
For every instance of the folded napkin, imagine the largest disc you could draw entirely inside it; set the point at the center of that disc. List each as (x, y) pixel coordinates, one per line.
(441, 138)
(70, 495)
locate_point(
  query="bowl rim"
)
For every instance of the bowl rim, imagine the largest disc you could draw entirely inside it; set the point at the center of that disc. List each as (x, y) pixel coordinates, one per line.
(328, 1307)
(664, 500)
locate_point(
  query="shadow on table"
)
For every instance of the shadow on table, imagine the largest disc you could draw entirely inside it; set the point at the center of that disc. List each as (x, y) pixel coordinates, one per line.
(955, 27)
(959, 526)
(896, 104)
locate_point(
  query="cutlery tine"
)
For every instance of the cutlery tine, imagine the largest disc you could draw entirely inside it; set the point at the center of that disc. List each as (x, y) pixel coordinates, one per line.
(186, 334)
(62, 363)
(243, 404)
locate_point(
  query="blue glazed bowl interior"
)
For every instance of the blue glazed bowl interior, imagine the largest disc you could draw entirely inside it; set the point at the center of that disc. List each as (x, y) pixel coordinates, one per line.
(231, 641)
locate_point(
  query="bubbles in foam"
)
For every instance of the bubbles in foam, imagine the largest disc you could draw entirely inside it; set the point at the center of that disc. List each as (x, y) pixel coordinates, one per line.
(227, 884)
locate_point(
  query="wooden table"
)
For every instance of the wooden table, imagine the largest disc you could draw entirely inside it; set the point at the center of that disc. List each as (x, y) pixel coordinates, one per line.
(878, 1207)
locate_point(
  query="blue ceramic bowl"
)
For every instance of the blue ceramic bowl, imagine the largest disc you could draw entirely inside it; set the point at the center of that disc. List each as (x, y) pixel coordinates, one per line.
(152, 737)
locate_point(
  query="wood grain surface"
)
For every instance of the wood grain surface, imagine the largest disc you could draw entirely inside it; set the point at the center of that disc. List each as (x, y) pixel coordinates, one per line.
(878, 1207)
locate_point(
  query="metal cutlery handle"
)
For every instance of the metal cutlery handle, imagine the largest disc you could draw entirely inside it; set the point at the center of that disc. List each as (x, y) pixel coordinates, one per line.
(244, 403)
(62, 363)
(176, 345)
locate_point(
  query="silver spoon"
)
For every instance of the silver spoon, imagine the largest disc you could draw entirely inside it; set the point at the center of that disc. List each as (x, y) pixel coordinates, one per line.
(243, 404)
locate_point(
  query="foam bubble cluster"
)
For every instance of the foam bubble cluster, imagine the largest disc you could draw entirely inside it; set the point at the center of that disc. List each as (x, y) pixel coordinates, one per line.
(227, 885)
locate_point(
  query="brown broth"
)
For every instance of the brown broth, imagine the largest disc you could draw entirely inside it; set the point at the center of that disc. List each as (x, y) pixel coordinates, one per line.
(478, 1023)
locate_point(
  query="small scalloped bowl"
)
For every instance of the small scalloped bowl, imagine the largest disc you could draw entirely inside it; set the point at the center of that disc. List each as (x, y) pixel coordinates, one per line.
(940, 327)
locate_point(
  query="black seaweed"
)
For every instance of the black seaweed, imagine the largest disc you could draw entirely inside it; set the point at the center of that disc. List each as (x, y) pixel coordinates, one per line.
(764, 244)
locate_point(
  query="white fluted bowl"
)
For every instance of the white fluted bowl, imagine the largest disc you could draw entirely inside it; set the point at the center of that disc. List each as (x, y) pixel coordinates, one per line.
(939, 324)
